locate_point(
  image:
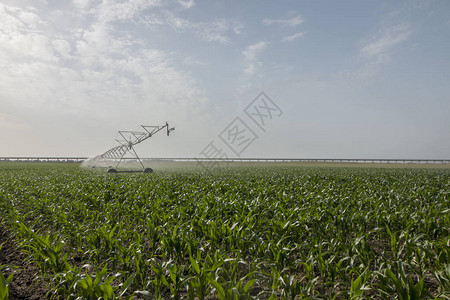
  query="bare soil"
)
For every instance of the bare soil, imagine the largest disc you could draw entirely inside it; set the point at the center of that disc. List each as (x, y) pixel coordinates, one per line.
(26, 282)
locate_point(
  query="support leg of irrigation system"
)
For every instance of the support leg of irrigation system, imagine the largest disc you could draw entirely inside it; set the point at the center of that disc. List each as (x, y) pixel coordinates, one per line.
(120, 160)
(135, 154)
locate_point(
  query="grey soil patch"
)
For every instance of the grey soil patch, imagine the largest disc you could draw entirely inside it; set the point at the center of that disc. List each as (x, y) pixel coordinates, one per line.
(26, 283)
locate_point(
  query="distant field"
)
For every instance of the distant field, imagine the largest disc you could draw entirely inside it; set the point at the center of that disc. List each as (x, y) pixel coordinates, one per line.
(252, 231)
(337, 165)
(204, 165)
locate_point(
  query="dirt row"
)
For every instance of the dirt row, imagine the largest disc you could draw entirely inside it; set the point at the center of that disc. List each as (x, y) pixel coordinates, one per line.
(26, 282)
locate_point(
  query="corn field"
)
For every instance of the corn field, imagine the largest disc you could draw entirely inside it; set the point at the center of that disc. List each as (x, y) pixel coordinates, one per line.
(242, 233)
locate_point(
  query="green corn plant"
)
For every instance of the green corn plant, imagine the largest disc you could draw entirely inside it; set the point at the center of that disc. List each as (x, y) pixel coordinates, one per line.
(442, 250)
(323, 226)
(174, 245)
(362, 249)
(51, 254)
(159, 280)
(47, 252)
(225, 281)
(443, 277)
(230, 268)
(403, 285)
(99, 287)
(359, 285)
(124, 288)
(275, 274)
(321, 263)
(242, 290)
(125, 255)
(199, 281)
(63, 283)
(4, 283)
(309, 269)
(142, 267)
(107, 237)
(175, 274)
(394, 244)
(224, 292)
(290, 286)
(202, 273)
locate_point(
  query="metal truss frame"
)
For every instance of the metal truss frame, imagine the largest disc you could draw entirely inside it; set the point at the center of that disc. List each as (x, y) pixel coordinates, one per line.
(127, 140)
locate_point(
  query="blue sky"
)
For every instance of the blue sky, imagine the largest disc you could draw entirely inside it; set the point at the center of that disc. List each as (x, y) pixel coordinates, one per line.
(353, 79)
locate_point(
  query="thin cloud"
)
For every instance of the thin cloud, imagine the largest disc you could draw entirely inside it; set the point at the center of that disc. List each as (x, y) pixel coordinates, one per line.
(112, 11)
(92, 70)
(292, 37)
(385, 42)
(251, 54)
(290, 22)
(214, 31)
(83, 4)
(377, 51)
(253, 50)
(237, 28)
(187, 3)
(62, 48)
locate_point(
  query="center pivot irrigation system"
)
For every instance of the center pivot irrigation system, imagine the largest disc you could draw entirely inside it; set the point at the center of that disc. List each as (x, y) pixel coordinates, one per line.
(127, 140)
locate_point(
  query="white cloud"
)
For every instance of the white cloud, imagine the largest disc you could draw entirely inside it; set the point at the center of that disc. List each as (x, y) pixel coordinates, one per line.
(253, 50)
(13, 18)
(29, 19)
(237, 28)
(212, 31)
(383, 43)
(20, 38)
(83, 4)
(187, 3)
(292, 37)
(251, 54)
(291, 22)
(109, 11)
(91, 72)
(375, 52)
(62, 48)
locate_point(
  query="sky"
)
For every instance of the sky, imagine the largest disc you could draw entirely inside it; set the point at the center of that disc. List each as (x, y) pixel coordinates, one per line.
(278, 79)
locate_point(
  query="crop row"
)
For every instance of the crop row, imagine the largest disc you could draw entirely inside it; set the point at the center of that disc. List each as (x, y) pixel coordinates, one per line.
(244, 233)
